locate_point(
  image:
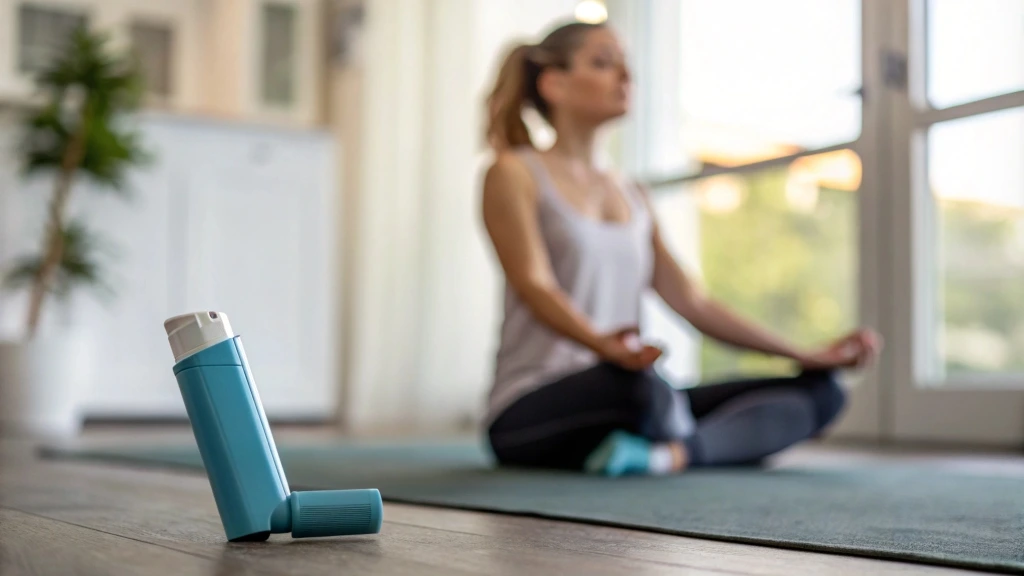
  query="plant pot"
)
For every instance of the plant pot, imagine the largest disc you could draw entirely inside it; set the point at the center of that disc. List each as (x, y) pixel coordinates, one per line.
(42, 381)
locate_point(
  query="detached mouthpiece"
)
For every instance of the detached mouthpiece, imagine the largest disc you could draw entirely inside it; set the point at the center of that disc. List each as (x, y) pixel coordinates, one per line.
(336, 513)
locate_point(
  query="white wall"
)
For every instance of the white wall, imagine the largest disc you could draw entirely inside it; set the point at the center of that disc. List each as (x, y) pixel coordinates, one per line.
(426, 291)
(384, 279)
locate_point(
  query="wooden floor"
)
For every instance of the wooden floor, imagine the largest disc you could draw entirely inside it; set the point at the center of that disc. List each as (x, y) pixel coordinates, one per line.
(65, 518)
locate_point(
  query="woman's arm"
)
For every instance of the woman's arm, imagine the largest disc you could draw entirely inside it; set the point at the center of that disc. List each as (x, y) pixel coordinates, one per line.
(688, 300)
(510, 216)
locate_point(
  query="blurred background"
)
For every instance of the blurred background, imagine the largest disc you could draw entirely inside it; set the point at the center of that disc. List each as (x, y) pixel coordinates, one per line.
(313, 170)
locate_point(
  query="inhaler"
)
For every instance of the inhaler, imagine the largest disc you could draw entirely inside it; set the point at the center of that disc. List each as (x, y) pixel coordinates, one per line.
(238, 449)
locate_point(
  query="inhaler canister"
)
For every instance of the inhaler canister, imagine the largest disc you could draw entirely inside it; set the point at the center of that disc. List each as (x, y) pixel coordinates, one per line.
(238, 450)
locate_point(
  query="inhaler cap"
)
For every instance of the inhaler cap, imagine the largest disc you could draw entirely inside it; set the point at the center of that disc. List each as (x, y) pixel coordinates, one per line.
(190, 333)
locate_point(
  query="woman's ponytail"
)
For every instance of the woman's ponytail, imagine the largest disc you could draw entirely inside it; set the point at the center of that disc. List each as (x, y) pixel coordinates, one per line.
(505, 128)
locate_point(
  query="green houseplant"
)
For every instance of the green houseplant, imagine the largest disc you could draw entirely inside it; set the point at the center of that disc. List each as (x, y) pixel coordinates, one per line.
(77, 132)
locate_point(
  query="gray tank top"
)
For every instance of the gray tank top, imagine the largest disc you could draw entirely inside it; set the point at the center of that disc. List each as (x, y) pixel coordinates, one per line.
(604, 268)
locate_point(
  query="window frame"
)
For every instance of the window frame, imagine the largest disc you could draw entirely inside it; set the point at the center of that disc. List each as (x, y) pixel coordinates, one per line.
(260, 95)
(173, 81)
(80, 10)
(309, 57)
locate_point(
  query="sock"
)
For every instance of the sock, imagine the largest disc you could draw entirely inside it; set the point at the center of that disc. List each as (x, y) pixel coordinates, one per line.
(622, 453)
(661, 460)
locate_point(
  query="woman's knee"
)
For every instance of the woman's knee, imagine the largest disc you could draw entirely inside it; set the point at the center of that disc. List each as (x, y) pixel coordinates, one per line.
(659, 414)
(647, 392)
(828, 395)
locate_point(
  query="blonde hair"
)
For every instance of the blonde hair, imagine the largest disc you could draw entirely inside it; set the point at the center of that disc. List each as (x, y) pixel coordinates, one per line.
(516, 86)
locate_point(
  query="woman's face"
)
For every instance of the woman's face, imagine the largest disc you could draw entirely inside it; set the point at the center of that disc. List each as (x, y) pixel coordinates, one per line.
(597, 84)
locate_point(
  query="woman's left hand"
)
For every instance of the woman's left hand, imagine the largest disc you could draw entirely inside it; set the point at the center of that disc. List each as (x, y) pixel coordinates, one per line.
(854, 350)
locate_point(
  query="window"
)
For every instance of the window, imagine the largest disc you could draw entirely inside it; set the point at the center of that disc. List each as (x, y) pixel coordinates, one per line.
(972, 283)
(43, 32)
(154, 47)
(278, 64)
(975, 49)
(976, 177)
(766, 79)
(779, 246)
(767, 104)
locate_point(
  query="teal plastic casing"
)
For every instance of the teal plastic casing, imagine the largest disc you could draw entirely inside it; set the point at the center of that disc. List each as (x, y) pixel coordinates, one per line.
(242, 462)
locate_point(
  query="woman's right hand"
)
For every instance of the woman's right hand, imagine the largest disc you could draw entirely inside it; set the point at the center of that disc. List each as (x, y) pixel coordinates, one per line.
(623, 349)
(854, 350)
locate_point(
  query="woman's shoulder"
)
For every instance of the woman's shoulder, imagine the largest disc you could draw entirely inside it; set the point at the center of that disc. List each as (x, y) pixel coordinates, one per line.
(509, 160)
(517, 159)
(509, 171)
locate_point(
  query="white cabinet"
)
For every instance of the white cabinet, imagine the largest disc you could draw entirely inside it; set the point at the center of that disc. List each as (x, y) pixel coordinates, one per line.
(228, 217)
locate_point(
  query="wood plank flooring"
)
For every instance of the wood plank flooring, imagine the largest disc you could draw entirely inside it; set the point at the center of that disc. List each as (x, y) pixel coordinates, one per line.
(60, 518)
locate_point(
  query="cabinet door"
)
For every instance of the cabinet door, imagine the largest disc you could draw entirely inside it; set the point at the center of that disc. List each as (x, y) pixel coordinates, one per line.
(255, 248)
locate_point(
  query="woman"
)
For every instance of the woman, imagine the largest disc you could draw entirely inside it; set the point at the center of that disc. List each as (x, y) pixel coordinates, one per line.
(573, 387)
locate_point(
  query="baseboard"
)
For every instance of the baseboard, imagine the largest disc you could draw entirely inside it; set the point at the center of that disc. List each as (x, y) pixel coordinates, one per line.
(900, 445)
(165, 421)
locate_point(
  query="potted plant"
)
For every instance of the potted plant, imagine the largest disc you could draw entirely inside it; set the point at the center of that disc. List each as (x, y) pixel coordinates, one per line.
(76, 133)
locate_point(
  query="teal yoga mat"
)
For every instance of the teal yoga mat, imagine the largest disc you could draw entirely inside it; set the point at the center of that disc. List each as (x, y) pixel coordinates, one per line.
(911, 513)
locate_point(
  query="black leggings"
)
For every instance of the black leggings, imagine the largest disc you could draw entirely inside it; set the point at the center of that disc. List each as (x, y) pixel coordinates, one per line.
(731, 423)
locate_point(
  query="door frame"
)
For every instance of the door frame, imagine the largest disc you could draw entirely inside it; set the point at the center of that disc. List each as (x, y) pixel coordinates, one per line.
(979, 410)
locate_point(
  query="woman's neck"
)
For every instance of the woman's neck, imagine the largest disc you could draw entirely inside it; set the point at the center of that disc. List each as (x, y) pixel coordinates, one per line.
(577, 144)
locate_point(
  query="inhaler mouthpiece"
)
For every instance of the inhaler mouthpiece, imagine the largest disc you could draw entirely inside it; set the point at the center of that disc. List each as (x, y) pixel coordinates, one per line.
(335, 513)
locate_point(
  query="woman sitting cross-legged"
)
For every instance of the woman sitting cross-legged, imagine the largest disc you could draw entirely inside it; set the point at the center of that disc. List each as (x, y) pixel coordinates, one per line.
(574, 388)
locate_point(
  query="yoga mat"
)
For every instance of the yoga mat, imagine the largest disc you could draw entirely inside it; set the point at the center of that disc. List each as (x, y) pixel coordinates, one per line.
(911, 513)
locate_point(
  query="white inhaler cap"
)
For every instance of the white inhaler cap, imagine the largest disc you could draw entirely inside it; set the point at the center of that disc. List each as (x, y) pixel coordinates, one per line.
(190, 333)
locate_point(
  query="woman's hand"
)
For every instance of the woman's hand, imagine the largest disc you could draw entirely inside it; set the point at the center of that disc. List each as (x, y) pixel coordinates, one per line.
(624, 349)
(854, 350)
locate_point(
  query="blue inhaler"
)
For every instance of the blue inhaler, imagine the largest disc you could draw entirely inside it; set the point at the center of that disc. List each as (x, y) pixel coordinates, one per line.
(238, 449)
